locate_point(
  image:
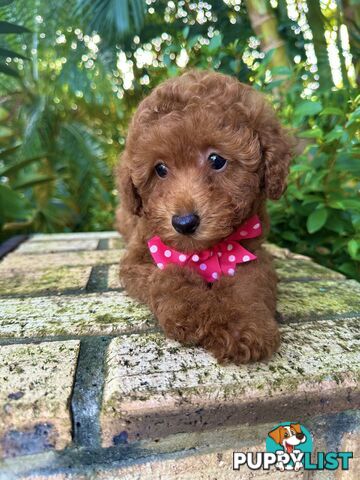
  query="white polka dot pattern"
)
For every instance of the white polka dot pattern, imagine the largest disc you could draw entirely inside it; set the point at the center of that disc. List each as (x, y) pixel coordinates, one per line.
(210, 264)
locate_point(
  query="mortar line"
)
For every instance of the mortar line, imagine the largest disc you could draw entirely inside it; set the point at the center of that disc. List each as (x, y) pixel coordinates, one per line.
(64, 338)
(85, 404)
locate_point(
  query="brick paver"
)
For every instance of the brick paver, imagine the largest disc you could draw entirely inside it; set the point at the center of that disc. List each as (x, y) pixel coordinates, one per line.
(166, 388)
(36, 384)
(71, 339)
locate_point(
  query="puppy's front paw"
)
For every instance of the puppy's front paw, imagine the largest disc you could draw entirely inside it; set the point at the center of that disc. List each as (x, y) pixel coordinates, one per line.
(243, 342)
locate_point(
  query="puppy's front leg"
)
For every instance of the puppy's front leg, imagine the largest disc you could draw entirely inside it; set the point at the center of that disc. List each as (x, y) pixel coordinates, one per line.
(182, 303)
(242, 327)
(178, 297)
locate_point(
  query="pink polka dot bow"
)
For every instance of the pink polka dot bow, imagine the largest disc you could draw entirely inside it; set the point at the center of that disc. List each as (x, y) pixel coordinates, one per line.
(214, 262)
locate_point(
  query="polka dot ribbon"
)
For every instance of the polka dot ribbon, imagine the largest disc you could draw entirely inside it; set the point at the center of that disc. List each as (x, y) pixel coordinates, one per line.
(214, 262)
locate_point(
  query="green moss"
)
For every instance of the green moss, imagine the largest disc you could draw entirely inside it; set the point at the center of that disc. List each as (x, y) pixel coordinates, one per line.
(318, 299)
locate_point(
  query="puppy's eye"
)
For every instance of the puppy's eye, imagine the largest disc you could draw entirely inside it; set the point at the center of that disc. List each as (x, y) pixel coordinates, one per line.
(217, 162)
(161, 169)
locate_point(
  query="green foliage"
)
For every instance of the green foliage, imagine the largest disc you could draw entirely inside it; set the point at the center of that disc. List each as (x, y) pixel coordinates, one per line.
(319, 214)
(66, 101)
(5, 29)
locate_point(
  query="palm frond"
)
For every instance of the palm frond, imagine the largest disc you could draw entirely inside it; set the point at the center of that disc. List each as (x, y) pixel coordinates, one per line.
(112, 19)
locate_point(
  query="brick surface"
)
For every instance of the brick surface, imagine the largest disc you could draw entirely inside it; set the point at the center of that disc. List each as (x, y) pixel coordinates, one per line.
(90, 314)
(177, 401)
(46, 237)
(295, 268)
(323, 299)
(43, 280)
(115, 312)
(36, 384)
(168, 388)
(206, 466)
(28, 262)
(351, 443)
(57, 246)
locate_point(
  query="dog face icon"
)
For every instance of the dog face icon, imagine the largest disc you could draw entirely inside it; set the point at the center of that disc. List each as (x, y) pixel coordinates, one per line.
(288, 436)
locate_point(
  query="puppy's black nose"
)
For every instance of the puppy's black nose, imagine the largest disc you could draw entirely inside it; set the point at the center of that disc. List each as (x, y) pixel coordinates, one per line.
(300, 436)
(185, 224)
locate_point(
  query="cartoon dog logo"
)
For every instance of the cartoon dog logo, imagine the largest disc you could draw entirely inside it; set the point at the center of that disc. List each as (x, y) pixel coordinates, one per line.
(288, 437)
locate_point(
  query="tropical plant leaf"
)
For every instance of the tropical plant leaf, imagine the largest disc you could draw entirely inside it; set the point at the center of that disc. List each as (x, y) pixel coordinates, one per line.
(112, 19)
(7, 27)
(32, 181)
(8, 71)
(316, 220)
(8, 152)
(17, 166)
(5, 53)
(13, 204)
(308, 108)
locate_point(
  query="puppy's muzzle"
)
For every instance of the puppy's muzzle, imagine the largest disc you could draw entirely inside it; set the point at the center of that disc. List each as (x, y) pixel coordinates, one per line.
(186, 224)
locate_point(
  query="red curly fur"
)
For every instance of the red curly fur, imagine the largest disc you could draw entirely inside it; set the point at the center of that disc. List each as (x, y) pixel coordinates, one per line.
(177, 124)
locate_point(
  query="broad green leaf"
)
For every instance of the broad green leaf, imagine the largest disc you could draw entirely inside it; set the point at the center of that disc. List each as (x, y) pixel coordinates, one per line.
(307, 108)
(282, 70)
(353, 247)
(316, 220)
(313, 133)
(215, 43)
(335, 134)
(346, 204)
(332, 111)
(348, 268)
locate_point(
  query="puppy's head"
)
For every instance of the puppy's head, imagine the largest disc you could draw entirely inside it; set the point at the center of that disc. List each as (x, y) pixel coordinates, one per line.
(288, 436)
(203, 151)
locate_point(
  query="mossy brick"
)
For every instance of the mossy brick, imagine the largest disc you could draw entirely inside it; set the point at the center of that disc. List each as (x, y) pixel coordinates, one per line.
(28, 262)
(36, 385)
(299, 269)
(115, 312)
(45, 280)
(284, 253)
(105, 313)
(114, 280)
(117, 243)
(323, 299)
(45, 237)
(51, 246)
(167, 388)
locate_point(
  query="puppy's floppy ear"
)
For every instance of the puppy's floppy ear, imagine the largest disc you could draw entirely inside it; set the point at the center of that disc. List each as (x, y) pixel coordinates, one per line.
(296, 427)
(276, 149)
(277, 434)
(129, 196)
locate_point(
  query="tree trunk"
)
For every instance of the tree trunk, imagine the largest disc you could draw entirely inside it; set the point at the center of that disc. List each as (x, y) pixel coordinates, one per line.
(316, 23)
(264, 24)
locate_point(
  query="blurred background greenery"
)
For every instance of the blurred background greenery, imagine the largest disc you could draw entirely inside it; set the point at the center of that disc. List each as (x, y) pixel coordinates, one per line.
(72, 73)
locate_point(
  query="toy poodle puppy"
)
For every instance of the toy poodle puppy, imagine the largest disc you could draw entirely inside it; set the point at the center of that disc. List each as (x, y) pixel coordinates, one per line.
(203, 154)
